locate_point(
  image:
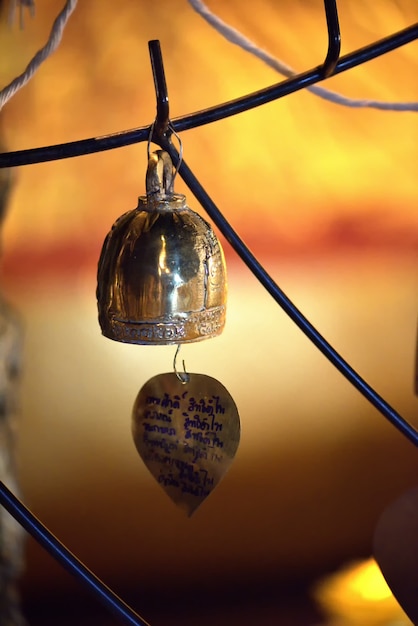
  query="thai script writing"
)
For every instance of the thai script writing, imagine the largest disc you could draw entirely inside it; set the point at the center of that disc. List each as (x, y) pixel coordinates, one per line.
(156, 415)
(155, 428)
(183, 440)
(165, 401)
(163, 443)
(203, 406)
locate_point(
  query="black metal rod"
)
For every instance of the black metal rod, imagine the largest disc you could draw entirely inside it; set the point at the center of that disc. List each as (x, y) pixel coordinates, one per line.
(334, 38)
(57, 550)
(207, 116)
(287, 305)
(163, 113)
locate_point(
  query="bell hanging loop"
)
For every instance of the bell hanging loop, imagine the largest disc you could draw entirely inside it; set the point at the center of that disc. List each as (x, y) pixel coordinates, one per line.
(162, 274)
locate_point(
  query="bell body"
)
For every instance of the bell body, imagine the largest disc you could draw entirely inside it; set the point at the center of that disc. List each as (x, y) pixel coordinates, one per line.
(161, 276)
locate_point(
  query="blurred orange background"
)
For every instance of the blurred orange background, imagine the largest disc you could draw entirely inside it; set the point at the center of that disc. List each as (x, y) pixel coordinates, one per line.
(325, 196)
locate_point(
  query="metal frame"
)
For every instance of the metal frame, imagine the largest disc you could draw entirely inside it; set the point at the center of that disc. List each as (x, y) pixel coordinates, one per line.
(160, 132)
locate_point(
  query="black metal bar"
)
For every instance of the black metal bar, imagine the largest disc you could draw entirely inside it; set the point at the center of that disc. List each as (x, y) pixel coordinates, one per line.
(163, 113)
(287, 305)
(70, 562)
(334, 38)
(213, 114)
(291, 85)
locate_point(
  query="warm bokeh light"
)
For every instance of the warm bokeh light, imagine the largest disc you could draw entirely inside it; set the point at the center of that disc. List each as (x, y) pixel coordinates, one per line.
(369, 584)
(358, 595)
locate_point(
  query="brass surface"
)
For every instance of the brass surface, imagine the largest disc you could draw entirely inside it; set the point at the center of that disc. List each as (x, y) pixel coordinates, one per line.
(162, 276)
(187, 434)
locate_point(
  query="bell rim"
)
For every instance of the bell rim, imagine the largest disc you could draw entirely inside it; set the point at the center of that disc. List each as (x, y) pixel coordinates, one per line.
(190, 328)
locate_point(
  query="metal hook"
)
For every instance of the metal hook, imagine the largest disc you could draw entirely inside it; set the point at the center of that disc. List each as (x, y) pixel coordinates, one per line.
(162, 121)
(180, 151)
(184, 376)
(334, 38)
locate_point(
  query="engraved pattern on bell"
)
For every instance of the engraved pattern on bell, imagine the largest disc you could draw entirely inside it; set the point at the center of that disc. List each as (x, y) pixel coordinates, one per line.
(187, 434)
(162, 276)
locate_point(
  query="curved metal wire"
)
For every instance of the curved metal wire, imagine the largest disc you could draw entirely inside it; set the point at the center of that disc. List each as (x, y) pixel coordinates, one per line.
(164, 140)
(212, 114)
(334, 38)
(57, 549)
(287, 305)
(163, 115)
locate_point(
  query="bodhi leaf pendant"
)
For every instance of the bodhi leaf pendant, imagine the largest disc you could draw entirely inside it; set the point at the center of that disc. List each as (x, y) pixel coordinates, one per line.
(187, 434)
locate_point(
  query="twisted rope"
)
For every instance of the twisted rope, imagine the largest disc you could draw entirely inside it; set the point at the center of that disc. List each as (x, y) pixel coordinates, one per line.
(235, 37)
(52, 44)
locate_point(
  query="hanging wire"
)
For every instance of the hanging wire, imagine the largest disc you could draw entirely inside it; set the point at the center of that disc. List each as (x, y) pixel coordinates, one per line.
(70, 562)
(182, 376)
(212, 114)
(334, 38)
(287, 305)
(162, 119)
(180, 152)
(257, 269)
(161, 128)
(328, 68)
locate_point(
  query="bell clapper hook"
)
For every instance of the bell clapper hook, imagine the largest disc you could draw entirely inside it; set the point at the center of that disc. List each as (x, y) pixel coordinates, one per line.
(182, 376)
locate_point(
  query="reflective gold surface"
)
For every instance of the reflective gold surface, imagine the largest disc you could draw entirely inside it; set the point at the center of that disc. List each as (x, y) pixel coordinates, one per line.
(187, 434)
(162, 276)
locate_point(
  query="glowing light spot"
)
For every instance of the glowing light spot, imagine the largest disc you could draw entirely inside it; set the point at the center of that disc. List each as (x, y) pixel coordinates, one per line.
(367, 581)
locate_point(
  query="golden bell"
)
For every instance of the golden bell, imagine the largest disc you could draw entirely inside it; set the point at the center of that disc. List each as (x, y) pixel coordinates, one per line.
(162, 275)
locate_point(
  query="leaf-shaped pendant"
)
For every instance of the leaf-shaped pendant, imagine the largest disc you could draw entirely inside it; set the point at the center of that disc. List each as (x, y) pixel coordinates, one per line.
(187, 434)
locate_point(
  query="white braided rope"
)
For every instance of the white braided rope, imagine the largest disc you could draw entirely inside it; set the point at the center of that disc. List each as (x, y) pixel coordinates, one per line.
(51, 45)
(230, 33)
(234, 36)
